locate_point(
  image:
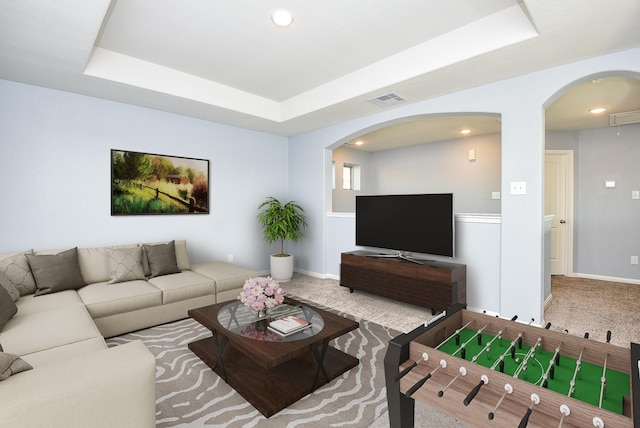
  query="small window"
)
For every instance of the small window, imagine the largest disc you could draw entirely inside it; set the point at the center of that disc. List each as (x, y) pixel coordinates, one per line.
(351, 177)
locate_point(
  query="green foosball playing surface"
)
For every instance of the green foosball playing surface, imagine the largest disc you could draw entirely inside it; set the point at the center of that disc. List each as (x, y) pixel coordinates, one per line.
(539, 367)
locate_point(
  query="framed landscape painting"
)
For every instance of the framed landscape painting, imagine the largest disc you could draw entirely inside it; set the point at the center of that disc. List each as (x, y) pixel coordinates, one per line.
(146, 183)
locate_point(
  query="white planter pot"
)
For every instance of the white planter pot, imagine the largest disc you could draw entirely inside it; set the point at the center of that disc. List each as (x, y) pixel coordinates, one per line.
(282, 268)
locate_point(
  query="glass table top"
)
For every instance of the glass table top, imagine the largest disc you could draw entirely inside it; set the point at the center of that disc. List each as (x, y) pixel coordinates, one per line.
(239, 319)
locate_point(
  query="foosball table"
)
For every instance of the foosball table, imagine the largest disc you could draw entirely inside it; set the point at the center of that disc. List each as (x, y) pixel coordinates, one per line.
(493, 372)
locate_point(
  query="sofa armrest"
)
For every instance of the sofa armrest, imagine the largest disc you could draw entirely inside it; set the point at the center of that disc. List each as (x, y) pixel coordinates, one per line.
(113, 387)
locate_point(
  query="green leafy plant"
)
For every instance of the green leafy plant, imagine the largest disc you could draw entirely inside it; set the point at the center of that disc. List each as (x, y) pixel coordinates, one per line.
(281, 222)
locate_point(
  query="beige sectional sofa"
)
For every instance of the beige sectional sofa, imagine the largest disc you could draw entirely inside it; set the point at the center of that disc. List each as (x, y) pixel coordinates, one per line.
(76, 381)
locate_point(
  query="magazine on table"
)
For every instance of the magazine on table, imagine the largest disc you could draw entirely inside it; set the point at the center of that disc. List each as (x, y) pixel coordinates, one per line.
(289, 325)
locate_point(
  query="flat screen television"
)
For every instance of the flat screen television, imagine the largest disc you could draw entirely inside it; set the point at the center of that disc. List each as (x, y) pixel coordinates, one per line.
(420, 223)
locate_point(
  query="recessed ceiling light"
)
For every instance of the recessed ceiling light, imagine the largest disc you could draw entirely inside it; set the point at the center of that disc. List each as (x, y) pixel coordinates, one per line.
(359, 143)
(282, 18)
(597, 110)
(465, 131)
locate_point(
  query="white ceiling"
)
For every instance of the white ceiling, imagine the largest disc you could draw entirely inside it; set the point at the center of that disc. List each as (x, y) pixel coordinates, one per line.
(225, 61)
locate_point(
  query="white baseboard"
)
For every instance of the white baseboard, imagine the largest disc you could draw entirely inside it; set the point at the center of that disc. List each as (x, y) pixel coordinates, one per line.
(605, 278)
(316, 274)
(548, 300)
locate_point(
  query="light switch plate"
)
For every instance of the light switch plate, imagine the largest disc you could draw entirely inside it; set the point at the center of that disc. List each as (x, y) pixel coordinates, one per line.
(635, 194)
(610, 184)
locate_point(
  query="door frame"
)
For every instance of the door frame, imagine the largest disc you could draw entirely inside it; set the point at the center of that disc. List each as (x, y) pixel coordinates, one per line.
(568, 200)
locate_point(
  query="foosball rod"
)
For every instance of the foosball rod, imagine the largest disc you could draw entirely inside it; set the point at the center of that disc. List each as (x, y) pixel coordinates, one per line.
(406, 370)
(535, 399)
(487, 346)
(532, 350)
(603, 379)
(513, 343)
(565, 411)
(508, 389)
(484, 379)
(454, 334)
(462, 347)
(552, 361)
(572, 383)
(415, 363)
(422, 381)
(462, 372)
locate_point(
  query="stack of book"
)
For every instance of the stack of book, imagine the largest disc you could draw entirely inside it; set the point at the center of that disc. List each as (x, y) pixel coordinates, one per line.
(288, 325)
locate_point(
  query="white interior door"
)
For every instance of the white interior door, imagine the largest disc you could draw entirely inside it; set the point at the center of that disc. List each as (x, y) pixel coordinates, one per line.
(558, 199)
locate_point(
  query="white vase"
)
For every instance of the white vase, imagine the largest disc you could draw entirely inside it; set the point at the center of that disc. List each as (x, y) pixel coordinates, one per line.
(282, 268)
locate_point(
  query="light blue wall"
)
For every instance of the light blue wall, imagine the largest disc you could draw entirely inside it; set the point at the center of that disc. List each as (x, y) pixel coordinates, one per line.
(520, 102)
(55, 170)
(345, 200)
(439, 167)
(444, 167)
(608, 229)
(605, 229)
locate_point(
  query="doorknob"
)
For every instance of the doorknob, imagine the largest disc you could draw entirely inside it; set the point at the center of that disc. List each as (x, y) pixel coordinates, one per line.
(563, 221)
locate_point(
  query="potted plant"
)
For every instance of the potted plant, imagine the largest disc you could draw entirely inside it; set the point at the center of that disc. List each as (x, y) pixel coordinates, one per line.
(281, 222)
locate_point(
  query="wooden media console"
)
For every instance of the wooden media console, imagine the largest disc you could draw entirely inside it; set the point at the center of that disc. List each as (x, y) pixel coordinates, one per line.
(431, 284)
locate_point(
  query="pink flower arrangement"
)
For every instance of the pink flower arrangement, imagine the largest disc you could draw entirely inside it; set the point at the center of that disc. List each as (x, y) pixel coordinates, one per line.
(261, 294)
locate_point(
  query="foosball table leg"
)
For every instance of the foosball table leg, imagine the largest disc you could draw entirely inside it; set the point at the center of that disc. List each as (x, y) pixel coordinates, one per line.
(400, 407)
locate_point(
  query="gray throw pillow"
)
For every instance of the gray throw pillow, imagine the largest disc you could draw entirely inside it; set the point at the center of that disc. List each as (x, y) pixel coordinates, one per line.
(8, 307)
(10, 288)
(162, 259)
(125, 264)
(16, 273)
(57, 272)
(11, 364)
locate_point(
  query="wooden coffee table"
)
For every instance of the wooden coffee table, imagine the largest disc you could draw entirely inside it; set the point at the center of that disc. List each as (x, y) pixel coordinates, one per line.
(270, 371)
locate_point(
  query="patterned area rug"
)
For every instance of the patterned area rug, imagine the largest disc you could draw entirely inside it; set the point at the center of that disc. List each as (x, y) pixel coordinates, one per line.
(190, 394)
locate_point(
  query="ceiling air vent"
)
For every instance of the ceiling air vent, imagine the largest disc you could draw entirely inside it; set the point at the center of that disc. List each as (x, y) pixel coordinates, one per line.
(626, 118)
(387, 99)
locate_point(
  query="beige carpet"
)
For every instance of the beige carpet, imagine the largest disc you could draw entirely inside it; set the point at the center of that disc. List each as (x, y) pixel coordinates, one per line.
(578, 306)
(582, 306)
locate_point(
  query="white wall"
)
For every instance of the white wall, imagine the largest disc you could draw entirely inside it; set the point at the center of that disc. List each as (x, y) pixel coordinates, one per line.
(55, 166)
(520, 102)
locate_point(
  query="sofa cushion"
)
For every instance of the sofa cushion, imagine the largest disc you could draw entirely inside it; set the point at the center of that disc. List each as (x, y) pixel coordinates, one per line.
(16, 273)
(48, 302)
(226, 275)
(182, 286)
(47, 330)
(11, 364)
(62, 353)
(162, 259)
(125, 264)
(56, 272)
(102, 299)
(8, 307)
